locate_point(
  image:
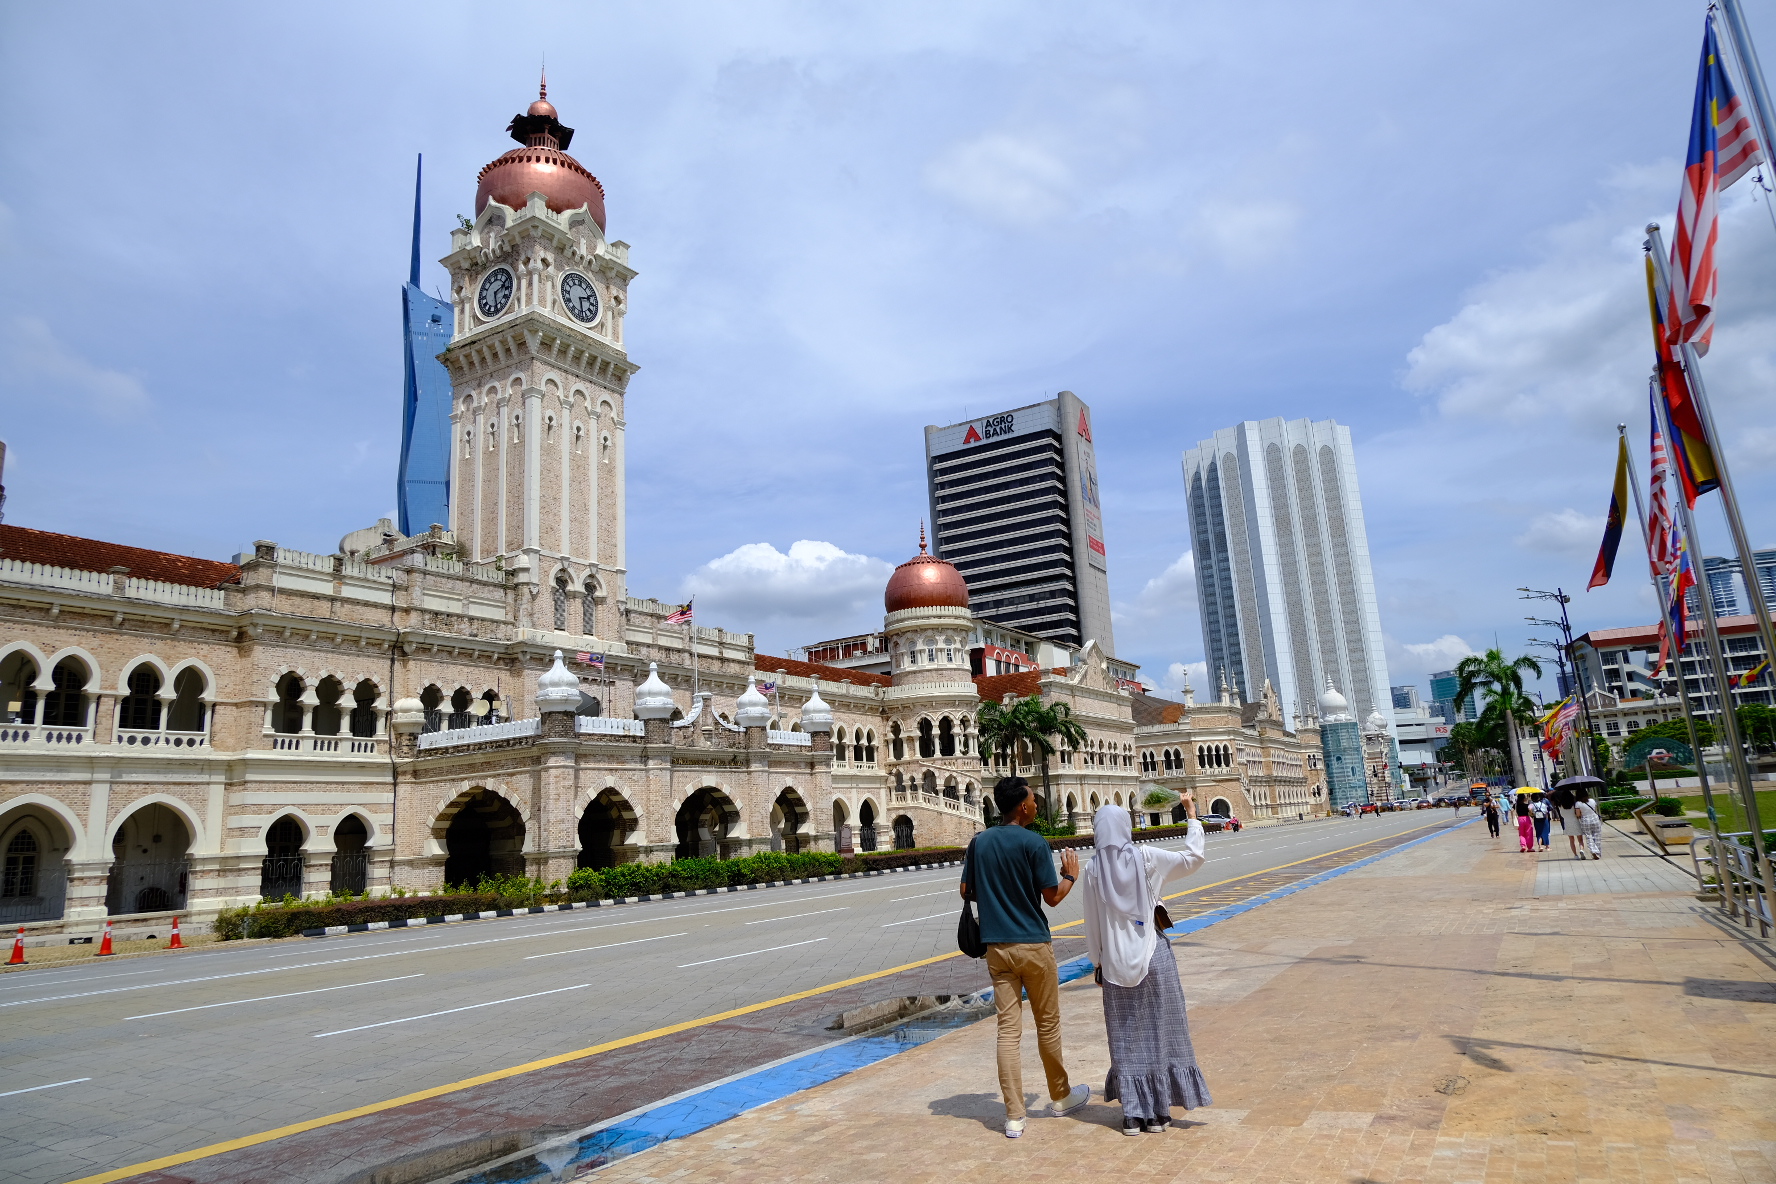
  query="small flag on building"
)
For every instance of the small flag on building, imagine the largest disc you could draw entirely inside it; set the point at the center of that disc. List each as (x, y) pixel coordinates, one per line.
(1612, 525)
(595, 660)
(682, 614)
(767, 688)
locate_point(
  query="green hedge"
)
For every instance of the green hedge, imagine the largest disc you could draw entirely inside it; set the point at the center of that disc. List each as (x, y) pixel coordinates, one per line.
(881, 861)
(288, 920)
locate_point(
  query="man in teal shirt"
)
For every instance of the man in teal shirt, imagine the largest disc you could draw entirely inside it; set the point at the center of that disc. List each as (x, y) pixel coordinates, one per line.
(1010, 871)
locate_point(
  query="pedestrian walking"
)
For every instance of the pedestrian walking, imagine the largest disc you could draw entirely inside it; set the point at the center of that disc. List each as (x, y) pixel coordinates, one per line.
(1538, 809)
(1565, 802)
(1590, 823)
(1525, 823)
(1490, 808)
(1010, 871)
(1152, 1062)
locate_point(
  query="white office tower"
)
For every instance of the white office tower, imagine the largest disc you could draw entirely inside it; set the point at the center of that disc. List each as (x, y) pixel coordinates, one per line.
(1282, 565)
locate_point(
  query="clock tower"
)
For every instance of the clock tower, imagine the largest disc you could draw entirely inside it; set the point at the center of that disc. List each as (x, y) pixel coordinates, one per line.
(538, 376)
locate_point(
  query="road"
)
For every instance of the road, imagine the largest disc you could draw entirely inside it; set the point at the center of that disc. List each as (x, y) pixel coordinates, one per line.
(107, 1065)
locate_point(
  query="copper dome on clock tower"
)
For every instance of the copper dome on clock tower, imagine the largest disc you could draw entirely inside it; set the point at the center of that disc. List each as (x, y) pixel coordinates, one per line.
(541, 166)
(925, 581)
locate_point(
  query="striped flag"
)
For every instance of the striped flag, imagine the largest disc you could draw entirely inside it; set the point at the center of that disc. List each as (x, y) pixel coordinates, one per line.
(682, 614)
(594, 660)
(1695, 456)
(1674, 628)
(1661, 539)
(1612, 525)
(1723, 148)
(1751, 676)
(767, 688)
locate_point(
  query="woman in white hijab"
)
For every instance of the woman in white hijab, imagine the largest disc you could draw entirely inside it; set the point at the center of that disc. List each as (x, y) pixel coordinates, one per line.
(1152, 1062)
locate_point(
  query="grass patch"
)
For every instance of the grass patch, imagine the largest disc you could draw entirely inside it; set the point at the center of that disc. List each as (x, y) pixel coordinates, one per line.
(1731, 813)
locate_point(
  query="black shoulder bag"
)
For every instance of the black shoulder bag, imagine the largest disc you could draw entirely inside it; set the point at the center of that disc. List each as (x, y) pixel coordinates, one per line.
(968, 937)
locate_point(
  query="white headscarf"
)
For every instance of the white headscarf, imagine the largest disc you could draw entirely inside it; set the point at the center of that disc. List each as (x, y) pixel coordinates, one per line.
(1118, 901)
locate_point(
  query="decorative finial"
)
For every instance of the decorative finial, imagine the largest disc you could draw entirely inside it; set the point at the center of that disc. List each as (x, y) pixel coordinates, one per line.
(543, 89)
(921, 536)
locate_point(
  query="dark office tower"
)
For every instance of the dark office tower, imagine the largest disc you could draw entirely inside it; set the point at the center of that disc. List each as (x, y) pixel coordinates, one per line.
(1014, 506)
(422, 487)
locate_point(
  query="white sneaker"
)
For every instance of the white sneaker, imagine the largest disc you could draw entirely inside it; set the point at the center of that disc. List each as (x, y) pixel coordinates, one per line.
(1014, 1128)
(1080, 1096)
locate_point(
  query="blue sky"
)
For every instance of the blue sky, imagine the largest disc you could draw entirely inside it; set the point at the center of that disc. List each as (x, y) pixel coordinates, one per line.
(854, 220)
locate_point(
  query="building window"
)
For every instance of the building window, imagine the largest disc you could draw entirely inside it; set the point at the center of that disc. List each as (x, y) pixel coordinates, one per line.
(946, 737)
(588, 611)
(65, 706)
(927, 748)
(140, 709)
(286, 714)
(561, 602)
(21, 866)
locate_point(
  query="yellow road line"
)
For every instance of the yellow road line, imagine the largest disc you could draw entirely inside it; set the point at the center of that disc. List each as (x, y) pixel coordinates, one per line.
(297, 1128)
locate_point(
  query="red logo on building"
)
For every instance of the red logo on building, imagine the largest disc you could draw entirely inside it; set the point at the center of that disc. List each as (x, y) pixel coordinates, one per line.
(1095, 545)
(973, 437)
(1084, 428)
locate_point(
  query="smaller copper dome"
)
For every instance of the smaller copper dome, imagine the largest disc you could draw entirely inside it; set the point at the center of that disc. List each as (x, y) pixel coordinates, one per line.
(544, 108)
(925, 581)
(541, 166)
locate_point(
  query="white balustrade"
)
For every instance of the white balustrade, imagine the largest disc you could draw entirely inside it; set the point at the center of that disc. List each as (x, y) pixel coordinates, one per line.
(132, 738)
(793, 739)
(607, 725)
(509, 730)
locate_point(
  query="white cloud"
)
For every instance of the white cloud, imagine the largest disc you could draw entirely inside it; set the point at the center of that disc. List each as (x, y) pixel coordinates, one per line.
(813, 591)
(1562, 532)
(34, 353)
(1181, 674)
(1170, 595)
(1413, 662)
(1003, 177)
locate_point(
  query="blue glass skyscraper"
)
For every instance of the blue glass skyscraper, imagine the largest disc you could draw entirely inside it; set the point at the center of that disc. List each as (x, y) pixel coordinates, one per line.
(423, 485)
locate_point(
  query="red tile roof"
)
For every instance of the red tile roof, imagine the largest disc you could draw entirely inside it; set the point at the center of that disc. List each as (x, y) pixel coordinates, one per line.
(1647, 636)
(862, 678)
(1024, 683)
(66, 550)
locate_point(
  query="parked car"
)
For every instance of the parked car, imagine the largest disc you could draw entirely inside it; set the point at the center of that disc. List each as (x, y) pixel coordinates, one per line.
(1219, 822)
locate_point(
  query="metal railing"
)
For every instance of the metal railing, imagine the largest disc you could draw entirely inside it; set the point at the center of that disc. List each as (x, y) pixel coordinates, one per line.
(351, 872)
(866, 838)
(1732, 865)
(39, 900)
(147, 886)
(280, 876)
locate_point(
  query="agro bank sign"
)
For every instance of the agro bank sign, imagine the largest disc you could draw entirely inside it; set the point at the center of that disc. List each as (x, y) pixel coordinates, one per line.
(1020, 421)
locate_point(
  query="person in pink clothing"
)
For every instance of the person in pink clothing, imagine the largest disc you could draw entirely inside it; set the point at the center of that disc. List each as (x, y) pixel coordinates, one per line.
(1526, 835)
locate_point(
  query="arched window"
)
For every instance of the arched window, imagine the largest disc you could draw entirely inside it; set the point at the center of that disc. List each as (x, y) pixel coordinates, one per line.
(928, 782)
(926, 748)
(946, 737)
(432, 699)
(186, 712)
(839, 752)
(589, 610)
(363, 715)
(487, 707)
(967, 735)
(857, 746)
(869, 747)
(896, 746)
(286, 714)
(950, 791)
(326, 716)
(65, 706)
(561, 601)
(140, 709)
(21, 866)
(460, 715)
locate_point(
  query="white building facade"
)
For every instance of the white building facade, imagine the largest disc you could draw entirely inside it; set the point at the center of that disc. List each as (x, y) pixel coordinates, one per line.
(1282, 564)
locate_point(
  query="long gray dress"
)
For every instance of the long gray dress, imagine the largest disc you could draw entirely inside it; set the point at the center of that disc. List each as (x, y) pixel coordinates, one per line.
(1152, 1062)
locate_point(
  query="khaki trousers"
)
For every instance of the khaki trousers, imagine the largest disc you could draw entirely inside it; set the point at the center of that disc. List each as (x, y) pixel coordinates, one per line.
(1015, 969)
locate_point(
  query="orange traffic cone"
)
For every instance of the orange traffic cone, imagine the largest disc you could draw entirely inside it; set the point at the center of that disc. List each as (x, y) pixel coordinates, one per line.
(175, 944)
(105, 945)
(18, 949)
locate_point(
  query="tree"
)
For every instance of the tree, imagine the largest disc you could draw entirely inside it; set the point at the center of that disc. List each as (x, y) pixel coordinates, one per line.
(1031, 726)
(1499, 681)
(1673, 729)
(1757, 723)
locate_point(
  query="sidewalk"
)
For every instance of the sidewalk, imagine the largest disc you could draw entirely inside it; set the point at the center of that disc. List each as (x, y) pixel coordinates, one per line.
(1454, 1012)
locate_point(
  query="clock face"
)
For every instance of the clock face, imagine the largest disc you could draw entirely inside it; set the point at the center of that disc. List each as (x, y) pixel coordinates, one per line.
(580, 297)
(496, 292)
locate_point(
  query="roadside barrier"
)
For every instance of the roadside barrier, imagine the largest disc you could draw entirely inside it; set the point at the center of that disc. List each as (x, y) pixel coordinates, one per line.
(105, 950)
(18, 949)
(175, 944)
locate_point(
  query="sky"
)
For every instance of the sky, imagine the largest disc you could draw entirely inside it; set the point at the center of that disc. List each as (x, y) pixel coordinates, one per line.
(851, 221)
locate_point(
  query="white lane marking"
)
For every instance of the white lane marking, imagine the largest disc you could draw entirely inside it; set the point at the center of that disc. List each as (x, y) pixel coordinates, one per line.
(480, 941)
(921, 896)
(52, 1085)
(608, 946)
(263, 998)
(749, 953)
(767, 920)
(910, 920)
(452, 1011)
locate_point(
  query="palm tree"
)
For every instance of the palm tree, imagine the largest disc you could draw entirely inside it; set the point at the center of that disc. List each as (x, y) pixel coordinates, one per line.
(1029, 725)
(1500, 682)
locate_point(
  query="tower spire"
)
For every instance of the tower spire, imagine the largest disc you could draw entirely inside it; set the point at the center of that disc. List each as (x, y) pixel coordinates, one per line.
(413, 272)
(921, 536)
(543, 88)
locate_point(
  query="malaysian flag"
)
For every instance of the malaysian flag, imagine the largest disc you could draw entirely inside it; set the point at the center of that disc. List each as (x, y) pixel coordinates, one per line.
(1723, 148)
(682, 614)
(1674, 628)
(767, 688)
(594, 660)
(1661, 539)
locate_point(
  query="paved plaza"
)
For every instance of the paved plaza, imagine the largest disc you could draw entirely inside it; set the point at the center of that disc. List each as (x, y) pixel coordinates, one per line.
(1453, 1012)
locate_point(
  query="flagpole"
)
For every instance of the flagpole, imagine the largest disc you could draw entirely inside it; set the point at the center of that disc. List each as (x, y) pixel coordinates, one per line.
(1717, 665)
(1660, 594)
(1747, 570)
(1752, 73)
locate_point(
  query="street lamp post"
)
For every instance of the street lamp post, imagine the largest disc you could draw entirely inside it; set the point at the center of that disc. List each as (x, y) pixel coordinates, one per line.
(1560, 598)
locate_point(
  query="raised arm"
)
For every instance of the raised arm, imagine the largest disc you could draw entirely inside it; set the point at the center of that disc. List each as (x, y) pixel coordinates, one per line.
(1173, 864)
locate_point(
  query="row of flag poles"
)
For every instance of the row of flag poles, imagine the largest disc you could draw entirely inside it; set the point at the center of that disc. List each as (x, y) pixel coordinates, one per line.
(1729, 137)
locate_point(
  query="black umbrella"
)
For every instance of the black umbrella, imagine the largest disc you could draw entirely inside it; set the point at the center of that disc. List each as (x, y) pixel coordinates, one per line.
(1582, 781)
